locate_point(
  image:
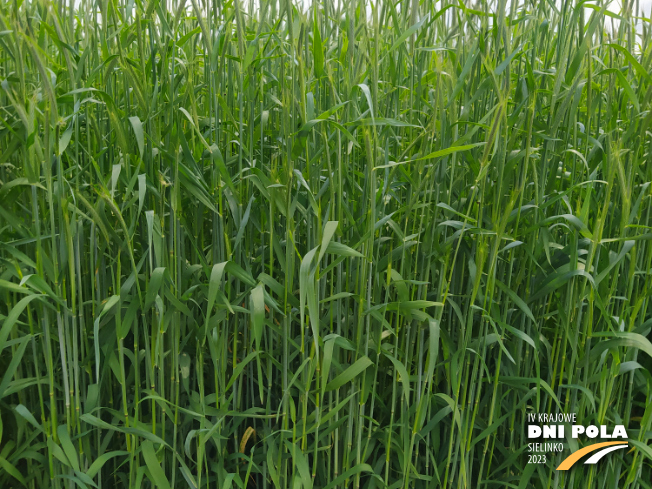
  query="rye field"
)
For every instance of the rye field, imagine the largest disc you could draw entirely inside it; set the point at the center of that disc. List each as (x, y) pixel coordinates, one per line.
(325, 244)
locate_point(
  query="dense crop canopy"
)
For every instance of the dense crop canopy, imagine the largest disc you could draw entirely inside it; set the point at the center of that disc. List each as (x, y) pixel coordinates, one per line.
(322, 245)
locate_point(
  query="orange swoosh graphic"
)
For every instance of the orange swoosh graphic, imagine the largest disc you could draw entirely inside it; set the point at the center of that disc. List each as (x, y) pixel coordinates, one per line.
(575, 456)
